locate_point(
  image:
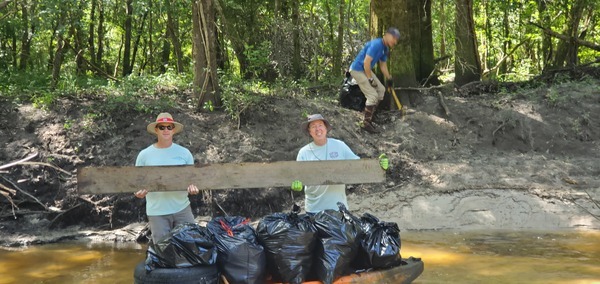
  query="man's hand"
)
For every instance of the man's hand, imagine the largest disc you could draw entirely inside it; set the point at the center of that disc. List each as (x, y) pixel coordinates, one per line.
(141, 193)
(384, 162)
(372, 82)
(192, 189)
(390, 82)
(297, 185)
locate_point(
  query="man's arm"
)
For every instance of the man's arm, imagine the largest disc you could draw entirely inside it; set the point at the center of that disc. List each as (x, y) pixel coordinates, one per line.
(384, 69)
(367, 66)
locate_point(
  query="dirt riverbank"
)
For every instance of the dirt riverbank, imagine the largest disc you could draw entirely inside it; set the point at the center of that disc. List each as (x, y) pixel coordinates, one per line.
(514, 158)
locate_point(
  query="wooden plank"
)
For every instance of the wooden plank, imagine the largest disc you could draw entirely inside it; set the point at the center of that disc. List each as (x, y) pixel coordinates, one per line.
(227, 176)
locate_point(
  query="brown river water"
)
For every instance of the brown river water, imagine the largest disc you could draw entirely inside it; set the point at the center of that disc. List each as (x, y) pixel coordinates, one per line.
(449, 256)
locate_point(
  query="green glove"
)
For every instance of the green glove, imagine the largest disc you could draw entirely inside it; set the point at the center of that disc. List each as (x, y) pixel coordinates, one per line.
(297, 185)
(384, 162)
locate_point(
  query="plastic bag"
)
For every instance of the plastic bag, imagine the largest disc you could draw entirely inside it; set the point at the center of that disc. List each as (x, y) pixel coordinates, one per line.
(240, 257)
(340, 235)
(186, 245)
(380, 247)
(289, 240)
(351, 96)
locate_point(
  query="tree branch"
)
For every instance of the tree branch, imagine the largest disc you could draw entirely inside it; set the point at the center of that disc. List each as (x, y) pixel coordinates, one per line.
(550, 32)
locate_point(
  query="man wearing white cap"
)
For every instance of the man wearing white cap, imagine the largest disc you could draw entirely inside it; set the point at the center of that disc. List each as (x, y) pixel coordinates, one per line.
(166, 210)
(374, 51)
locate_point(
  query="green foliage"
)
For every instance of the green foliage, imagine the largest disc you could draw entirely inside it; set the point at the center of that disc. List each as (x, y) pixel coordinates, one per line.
(258, 58)
(238, 95)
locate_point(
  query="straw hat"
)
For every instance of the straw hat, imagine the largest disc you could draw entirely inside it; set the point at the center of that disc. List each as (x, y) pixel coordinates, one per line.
(164, 117)
(311, 118)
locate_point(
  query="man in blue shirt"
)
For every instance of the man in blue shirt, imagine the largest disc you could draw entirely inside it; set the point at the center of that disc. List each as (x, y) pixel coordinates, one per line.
(166, 210)
(375, 51)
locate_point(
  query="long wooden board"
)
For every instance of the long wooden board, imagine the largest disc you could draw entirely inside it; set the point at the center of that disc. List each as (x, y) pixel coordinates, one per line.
(227, 176)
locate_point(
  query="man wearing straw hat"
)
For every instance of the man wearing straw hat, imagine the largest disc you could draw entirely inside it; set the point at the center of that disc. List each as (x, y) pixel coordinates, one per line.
(321, 197)
(166, 210)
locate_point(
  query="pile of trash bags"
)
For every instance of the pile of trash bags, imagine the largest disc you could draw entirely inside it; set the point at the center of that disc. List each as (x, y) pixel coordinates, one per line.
(285, 247)
(351, 97)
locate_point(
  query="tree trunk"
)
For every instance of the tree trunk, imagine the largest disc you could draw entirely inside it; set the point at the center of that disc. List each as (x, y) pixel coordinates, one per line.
(547, 47)
(567, 50)
(466, 63)
(151, 37)
(91, 30)
(25, 36)
(138, 38)
(422, 42)
(127, 68)
(296, 59)
(204, 51)
(400, 60)
(506, 42)
(173, 28)
(442, 29)
(78, 37)
(339, 45)
(100, 41)
(58, 55)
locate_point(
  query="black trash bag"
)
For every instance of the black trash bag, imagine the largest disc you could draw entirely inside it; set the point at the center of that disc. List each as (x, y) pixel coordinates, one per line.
(340, 235)
(186, 245)
(380, 247)
(351, 96)
(240, 257)
(289, 240)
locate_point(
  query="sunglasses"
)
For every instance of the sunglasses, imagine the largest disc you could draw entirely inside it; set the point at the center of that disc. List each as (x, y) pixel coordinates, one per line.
(162, 127)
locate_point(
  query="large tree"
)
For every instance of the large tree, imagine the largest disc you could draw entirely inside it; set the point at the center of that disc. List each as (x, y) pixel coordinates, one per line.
(466, 63)
(400, 62)
(205, 54)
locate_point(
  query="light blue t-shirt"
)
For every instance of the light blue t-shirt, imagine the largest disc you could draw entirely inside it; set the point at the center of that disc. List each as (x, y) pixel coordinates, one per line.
(170, 202)
(321, 197)
(374, 48)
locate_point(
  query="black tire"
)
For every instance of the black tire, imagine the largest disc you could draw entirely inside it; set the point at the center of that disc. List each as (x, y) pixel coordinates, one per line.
(205, 274)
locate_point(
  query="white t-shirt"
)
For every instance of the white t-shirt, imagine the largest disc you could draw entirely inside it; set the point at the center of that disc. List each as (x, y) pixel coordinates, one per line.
(322, 197)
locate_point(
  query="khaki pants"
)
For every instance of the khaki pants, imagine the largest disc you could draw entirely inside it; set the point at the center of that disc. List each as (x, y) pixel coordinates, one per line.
(160, 226)
(373, 95)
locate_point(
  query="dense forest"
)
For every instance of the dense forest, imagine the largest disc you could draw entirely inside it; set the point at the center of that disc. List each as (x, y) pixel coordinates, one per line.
(49, 48)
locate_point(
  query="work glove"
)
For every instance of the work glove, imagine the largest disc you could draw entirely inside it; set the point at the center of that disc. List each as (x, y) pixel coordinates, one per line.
(297, 185)
(390, 82)
(372, 82)
(384, 162)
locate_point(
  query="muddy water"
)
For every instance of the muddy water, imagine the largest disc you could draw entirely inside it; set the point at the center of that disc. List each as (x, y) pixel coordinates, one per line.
(450, 257)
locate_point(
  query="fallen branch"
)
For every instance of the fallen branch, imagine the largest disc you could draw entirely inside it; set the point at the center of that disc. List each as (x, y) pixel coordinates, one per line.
(18, 162)
(498, 128)
(443, 104)
(47, 165)
(420, 88)
(7, 194)
(26, 193)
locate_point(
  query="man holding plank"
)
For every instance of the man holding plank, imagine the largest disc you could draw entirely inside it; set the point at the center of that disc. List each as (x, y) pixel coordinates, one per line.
(167, 209)
(322, 197)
